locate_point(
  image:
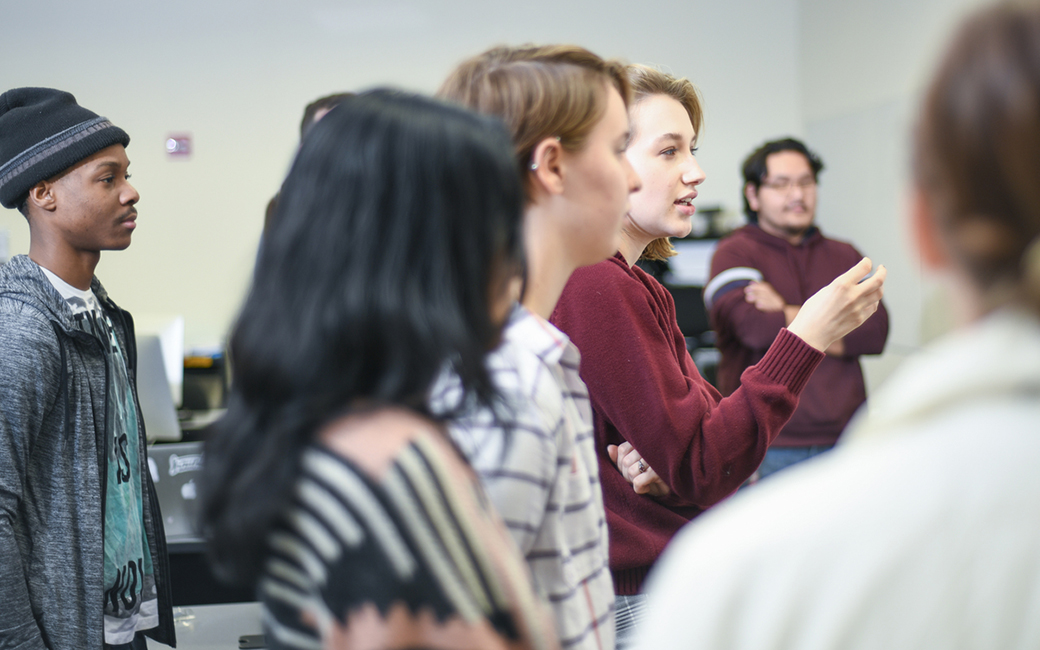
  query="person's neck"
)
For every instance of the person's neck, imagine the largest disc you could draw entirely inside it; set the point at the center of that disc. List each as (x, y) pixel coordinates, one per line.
(632, 242)
(549, 264)
(794, 238)
(76, 268)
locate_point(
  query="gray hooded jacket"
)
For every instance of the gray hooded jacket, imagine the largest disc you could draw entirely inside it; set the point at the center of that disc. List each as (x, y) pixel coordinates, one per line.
(53, 389)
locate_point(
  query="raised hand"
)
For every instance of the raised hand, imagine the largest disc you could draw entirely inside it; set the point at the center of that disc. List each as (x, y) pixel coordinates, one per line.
(840, 307)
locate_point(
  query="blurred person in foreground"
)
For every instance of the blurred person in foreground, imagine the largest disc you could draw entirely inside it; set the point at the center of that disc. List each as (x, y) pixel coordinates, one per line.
(920, 530)
(329, 483)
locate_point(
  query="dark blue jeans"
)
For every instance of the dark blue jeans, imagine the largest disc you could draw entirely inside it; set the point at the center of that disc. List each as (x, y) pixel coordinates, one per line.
(777, 458)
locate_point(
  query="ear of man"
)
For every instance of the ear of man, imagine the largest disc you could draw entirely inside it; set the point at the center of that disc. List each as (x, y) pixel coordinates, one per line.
(752, 195)
(42, 196)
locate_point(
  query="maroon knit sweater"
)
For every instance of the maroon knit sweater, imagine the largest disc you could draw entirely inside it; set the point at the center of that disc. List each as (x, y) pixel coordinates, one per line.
(646, 390)
(744, 333)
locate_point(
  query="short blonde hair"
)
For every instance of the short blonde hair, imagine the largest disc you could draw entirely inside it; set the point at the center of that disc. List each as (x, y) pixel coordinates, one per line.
(539, 91)
(646, 82)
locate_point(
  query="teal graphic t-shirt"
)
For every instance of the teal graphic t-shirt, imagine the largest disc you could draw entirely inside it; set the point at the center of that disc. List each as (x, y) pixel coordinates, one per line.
(131, 600)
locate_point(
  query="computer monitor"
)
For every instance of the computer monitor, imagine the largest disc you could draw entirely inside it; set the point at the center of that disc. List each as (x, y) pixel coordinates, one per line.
(160, 374)
(153, 391)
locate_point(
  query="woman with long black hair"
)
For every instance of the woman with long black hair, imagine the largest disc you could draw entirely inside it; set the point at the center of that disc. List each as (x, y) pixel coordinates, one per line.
(328, 483)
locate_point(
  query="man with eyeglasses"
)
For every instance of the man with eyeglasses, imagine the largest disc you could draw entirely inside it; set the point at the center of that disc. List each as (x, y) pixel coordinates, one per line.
(760, 276)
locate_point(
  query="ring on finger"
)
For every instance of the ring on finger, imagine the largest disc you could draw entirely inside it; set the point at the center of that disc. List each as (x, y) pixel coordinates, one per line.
(641, 465)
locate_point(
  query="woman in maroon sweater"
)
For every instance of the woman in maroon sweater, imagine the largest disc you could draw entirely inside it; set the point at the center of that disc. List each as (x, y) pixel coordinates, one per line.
(652, 409)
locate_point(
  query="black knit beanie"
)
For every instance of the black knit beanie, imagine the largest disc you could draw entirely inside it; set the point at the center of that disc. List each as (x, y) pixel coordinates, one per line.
(44, 132)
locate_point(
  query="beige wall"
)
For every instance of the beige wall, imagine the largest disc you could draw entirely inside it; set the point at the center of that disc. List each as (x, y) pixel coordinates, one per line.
(237, 74)
(863, 68)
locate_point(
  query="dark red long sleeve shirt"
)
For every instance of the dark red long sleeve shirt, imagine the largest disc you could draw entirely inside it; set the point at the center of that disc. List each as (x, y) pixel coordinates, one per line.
(645, 389)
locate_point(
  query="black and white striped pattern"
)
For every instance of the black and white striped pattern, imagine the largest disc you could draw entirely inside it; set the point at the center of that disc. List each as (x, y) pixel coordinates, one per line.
(536, 458)
(734, 278)
(417, 536)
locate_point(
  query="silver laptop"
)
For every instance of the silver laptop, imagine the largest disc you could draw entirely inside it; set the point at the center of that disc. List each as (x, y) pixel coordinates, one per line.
(176, 469)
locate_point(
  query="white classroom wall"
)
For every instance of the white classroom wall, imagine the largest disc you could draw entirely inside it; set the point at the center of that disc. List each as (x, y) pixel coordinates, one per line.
(235, 74)
(864, 67)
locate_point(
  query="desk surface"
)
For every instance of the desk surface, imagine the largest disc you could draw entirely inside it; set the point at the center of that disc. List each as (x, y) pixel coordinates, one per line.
(213, 627)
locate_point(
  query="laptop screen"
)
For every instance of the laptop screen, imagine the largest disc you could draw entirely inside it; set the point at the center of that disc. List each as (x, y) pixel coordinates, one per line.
(176, 469)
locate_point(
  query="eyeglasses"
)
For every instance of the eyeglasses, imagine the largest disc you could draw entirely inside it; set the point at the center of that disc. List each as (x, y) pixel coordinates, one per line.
(784, 185)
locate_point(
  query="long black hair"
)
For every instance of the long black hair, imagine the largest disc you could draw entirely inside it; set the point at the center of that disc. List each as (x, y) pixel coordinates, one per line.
(396, 228)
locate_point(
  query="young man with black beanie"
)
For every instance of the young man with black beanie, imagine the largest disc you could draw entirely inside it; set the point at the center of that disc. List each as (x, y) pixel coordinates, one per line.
(82, 551)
